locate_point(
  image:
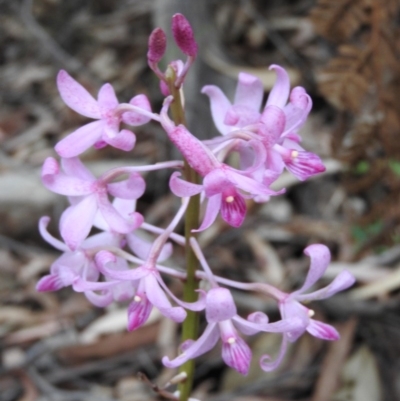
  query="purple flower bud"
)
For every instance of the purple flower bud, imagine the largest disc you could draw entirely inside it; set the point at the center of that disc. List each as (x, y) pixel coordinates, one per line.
(157, 45)
(183, 35)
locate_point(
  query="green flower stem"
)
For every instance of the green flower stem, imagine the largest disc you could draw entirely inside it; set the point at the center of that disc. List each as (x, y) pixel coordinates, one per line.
(191, 323)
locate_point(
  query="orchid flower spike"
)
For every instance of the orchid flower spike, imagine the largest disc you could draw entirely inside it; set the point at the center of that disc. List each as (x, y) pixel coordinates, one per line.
(108, 112)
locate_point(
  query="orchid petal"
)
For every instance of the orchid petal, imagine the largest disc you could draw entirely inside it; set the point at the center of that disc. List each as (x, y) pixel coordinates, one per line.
(135, 118)
(249, 91)
(107, 99)
(141, 248)
(115, 221)
(212, 210)
(216, 182)
(76, 221)
(320, 257)
(219, 305)
(280, 91)
(272, 124)
(99, 300)
(183, 188)
(234, 211)
(58, 182)
(237, 355)
(124, 140)
(322, 330)
(269, 366)
(158, 298)
(76, 96)
(56, 243)
(343, 281)
(219, 106)
(138, 311)
(132, 188)
(51, 282)
(202, 345)
(80, 140)
(73, 166)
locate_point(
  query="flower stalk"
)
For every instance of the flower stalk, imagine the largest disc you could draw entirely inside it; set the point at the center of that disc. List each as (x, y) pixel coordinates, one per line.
(191, 284)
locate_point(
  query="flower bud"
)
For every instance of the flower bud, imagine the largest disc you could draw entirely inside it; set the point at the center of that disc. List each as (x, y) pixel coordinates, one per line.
(183, 35)
(157, 45)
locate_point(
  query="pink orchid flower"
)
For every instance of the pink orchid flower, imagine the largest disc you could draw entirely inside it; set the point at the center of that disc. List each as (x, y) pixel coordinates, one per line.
(150, 290)
(290, 306)
(223, 323)
(89, 195)
(225, 187)
(105, 131)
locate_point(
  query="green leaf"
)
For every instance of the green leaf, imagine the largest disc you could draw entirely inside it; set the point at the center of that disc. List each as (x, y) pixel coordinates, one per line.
(395, 166)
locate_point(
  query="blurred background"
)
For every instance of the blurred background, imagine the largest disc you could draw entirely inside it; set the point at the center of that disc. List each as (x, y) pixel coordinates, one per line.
(57, 346)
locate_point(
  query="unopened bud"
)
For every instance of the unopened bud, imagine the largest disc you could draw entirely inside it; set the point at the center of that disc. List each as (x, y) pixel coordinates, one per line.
(183, 35)
(157, 45)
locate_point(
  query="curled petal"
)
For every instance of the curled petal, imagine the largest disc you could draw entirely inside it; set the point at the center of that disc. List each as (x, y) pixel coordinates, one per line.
(76, 96)
(43, 223)
(320, 257)
(280, 91)
(132, 188)
(183, 188)
(219, 106)
(100, 300)
(202, 345)
(135, 118)
(80, 140)
(76, 221)
(249, 91)
(124, 140)
(272, 124)
(265, 361)
(219, 305)
(322, 330)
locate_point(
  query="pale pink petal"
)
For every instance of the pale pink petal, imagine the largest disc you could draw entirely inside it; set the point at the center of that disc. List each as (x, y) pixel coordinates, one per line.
(99, 300)
(74, 167)
(202, 345)
(124, 140)
(183, 188)
(322, 330)
(280, 91)
(141, 248)
(107, 99)
(272, 124)
(115, 221)
(216, 182)
(265, 361)
(76, 221)
(43, 223)
(158, 298)
(212, 210)
(132, 188)
(219, 106)
(343, 281)
(76, 96)
(249, 91)
(320, 257)
(241, 116)
(219, 305)
(62, 184)
(135, 118)
(80, 140)
(51, 282)
(303, 165)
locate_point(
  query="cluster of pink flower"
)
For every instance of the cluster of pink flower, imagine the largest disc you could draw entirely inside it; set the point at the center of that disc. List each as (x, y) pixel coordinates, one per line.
(267, 142)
